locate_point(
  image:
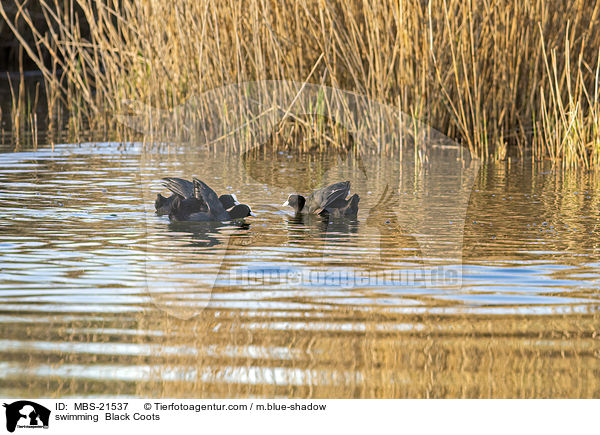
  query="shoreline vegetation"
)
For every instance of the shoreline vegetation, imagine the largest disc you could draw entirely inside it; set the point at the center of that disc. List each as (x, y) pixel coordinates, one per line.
(504, 78)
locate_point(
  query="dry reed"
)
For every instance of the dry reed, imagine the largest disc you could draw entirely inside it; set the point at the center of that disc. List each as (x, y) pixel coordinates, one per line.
(502, 78)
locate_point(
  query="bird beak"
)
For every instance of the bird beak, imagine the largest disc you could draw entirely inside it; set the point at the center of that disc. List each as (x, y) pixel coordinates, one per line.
(285, 204)
(252, 214)
(235, 201)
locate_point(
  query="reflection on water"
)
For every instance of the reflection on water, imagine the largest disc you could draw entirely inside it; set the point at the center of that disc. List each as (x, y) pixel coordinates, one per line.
(98, 296)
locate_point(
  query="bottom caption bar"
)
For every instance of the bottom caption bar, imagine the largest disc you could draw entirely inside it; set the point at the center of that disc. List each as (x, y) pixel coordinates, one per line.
(265, 416)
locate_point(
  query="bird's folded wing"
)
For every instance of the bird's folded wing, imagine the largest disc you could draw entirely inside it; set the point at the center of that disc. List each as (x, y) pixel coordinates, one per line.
(334, 196)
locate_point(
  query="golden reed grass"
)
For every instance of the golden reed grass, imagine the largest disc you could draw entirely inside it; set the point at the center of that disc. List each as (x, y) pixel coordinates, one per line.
(502, 77)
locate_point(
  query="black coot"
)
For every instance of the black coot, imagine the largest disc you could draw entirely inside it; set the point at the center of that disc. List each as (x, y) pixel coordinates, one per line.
(184, 189)
(330, 200)
(205, 206)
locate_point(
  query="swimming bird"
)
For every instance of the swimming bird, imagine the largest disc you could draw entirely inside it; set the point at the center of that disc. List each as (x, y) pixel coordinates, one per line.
(205, 206)
(184, 189)
(330, 200)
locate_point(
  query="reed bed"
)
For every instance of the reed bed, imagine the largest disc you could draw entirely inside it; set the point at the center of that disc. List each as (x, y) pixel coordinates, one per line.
(503, 78)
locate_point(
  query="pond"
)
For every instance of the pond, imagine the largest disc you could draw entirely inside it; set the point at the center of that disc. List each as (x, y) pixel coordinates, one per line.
(457, 279)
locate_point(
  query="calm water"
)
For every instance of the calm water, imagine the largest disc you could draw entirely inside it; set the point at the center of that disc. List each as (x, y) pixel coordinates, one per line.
(455, 280)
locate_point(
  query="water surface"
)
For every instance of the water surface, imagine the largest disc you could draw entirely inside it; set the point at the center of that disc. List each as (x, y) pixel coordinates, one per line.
(476, 282)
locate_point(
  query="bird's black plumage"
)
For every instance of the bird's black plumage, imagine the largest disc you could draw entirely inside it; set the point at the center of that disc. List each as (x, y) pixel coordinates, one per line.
(184, 189)
(205, 206)
(330, 200)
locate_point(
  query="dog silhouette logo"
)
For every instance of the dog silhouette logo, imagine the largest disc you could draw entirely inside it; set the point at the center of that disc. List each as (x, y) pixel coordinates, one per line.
(26, 414)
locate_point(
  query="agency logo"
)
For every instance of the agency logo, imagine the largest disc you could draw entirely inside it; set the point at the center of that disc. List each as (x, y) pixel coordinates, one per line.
(24, 414)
